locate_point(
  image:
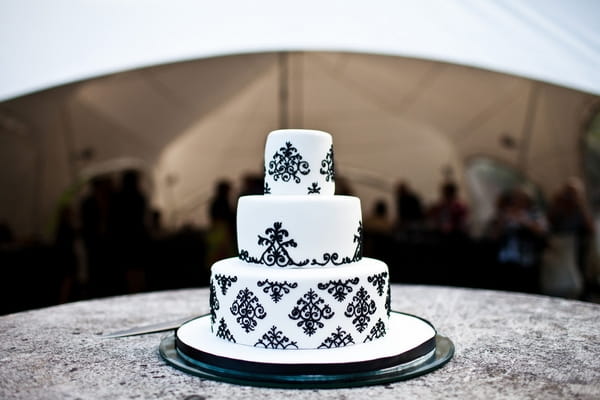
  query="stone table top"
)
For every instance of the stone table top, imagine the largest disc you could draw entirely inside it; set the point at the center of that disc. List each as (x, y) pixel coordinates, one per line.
(508, 345)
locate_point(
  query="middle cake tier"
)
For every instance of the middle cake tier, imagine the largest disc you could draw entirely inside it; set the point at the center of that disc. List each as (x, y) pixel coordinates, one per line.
(299, 231)
(298, 308)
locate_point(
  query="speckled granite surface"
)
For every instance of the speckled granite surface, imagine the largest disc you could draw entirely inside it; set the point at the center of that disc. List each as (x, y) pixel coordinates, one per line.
(507, 346)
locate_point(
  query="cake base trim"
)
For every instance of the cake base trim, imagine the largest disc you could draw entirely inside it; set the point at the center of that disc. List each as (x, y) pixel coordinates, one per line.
(411, 340)
(444, 351)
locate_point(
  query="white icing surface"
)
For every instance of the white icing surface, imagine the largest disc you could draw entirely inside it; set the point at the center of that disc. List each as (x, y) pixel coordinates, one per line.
(312, 146)
(405, 333)
(330, 310)
(318, 225)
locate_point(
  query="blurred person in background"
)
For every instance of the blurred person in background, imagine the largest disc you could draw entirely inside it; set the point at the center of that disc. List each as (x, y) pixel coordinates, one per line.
(220, 236)
(377, 230)
(130, 226)
(378, 221)
(572, 224)
(409, 209)
(65, 253)
(252, 184)
(520, 229)
(448, 216)
(96, 209)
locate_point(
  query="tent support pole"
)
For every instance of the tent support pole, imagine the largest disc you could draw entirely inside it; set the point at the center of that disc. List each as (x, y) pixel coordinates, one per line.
(297, 88)
(68, 138)
(283, 65)
(527, 131)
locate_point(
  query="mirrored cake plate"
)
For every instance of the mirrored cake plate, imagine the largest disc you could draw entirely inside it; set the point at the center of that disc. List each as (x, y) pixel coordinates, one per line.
(410, 348)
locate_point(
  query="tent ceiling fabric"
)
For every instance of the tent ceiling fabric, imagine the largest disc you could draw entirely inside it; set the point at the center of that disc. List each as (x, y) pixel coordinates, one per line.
(49, 43)
(192, 123)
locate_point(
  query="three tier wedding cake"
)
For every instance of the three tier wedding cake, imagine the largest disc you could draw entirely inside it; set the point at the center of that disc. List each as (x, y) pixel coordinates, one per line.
(300, 298)
(300, 281)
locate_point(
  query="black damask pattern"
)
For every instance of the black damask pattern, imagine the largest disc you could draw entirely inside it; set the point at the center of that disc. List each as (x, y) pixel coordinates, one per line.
(266, 188)
(223, 331)
(339, 289)
(310, 310)
(328, 167)
(334, 257)
(214, 302)
(276, 252)
(287, 164)
(361, 308)
(339, 338)
(388, 301)
(358, 239)
(276, 289)
(225, 281)
(275, 339)
(314, 188)
(331, 258)
(378, 280)
(248, 309)
(377, 331)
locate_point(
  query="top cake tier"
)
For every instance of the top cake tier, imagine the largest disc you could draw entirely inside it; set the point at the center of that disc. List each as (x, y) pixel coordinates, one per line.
(299, 161)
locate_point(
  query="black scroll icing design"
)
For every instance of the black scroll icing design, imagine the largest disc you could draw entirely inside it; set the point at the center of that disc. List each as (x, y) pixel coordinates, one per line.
(331, 258)
(248, 309)
(339, 338)
(378, 280)
(377, 331)
(276, 252)
(361, 308)
(327, 166)
(388, 301)
(339, 289)
(276, 289)
(275, 339)
(309, 312)
(223, 332)
(266, 188)
(225, 281)
(214, 303)
(314, 188)
(287, 163)
(358, 239)
(334, 257)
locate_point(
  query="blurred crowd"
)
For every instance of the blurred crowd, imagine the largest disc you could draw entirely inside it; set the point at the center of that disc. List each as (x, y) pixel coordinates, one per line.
(111, 242)
(523, 247)
(107, 241)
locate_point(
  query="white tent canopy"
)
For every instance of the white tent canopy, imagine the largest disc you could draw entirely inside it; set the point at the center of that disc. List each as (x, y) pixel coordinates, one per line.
(47, 43)
(194, 122)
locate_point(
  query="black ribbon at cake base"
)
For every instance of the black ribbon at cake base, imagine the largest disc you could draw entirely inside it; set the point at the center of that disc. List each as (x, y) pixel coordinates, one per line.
(444, 351)
(188, 350)
(194, 351)
(305, 369)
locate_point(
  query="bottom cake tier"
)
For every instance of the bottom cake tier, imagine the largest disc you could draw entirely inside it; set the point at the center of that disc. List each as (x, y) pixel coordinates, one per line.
(303, 308)
(410, 348)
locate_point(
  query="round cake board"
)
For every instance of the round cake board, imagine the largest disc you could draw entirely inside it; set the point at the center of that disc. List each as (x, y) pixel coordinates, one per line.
(410, 348)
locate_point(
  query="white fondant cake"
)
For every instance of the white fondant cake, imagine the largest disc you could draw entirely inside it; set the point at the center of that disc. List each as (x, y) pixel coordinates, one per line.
(299, 162)
(300, 281)
(297, 308)
(299, 231)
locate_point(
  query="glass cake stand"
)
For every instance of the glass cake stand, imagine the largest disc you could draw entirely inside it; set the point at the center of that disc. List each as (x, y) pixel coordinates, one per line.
(198, 357)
